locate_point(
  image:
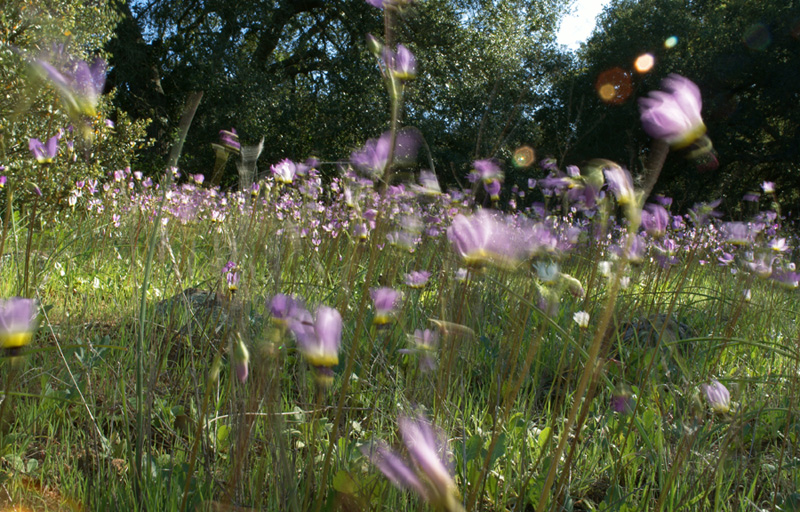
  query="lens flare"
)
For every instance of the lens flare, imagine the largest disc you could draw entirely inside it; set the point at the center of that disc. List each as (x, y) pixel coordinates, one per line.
(614, 86)
(524, 157)
(757, 37)
(670, 42)
(644, 62)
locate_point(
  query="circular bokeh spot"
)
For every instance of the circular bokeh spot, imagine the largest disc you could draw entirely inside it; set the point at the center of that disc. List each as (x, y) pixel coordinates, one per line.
(670, 42)
(644, 62)
(524, 156)
(614, 86)
(757, 37)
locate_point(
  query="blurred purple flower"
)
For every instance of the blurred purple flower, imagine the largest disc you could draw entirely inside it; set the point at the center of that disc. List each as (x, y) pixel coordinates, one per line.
(554, 184)
(484, 239)
(655, 220)
(673, 115)
(387, 301)
(80, 84)
(417, 279)
(44, 153)
(428, 184)
(425, 343)
(403, 64)
(282, 308)
(373, 158)
(17, 322)
(284, 171)
(717, 396)
(739, 233)
(428, 475)
(666, 202)
(786, 278)
(620, 183)
(486, 170)
(492, 188)
(319, 340)
(760, 265)
(622, 400)
(241, 360)
(725, 259)
(229, 140)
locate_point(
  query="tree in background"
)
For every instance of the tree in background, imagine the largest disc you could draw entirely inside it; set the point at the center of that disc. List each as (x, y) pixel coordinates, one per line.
(92, 142)
(299, 74)
(742, 54)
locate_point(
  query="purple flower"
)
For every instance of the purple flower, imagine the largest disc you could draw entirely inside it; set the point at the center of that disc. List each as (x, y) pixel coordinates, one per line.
(284, 171)
(17, 322)
(554, 184)
(717, 396)
(620, 183)
(373, 158)
(655, 220)
(760, 265)
(486, 170)
(484, 239)
(80, 84)
(739, 233)
(417, 279)
(229, 140)
(425, 343)
(391, 4)
(428, 475)
(673, 115)
(3, 179)
(44, 153)
(492, 188)
(283, 308)
(319, 340)
(403, 64)
(387, 301)
(622, 400)
(779, 245)
(241, 360)
(786, 278)
(726, 259)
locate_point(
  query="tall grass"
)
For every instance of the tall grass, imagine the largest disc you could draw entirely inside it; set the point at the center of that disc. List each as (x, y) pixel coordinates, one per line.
(522, 391)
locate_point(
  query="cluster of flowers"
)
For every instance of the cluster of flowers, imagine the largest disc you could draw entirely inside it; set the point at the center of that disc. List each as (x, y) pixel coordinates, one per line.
(532, 237)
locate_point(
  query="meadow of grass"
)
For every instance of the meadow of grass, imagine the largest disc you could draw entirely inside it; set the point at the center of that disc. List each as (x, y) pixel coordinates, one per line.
(145, 293)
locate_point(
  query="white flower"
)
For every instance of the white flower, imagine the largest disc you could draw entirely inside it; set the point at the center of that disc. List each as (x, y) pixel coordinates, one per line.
(582, 319)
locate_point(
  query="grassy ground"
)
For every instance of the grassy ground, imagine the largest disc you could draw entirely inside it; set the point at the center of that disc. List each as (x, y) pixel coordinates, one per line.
(127, 397)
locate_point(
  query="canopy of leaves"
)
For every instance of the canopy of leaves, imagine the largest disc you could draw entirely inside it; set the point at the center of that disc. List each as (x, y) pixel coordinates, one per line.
(299, 74)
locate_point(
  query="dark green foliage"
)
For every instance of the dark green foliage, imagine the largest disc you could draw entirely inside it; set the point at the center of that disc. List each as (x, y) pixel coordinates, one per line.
(31, 108)
(743, 55)
(299, 74)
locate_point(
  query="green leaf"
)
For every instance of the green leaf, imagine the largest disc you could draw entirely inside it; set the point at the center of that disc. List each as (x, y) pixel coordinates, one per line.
(344, 482)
